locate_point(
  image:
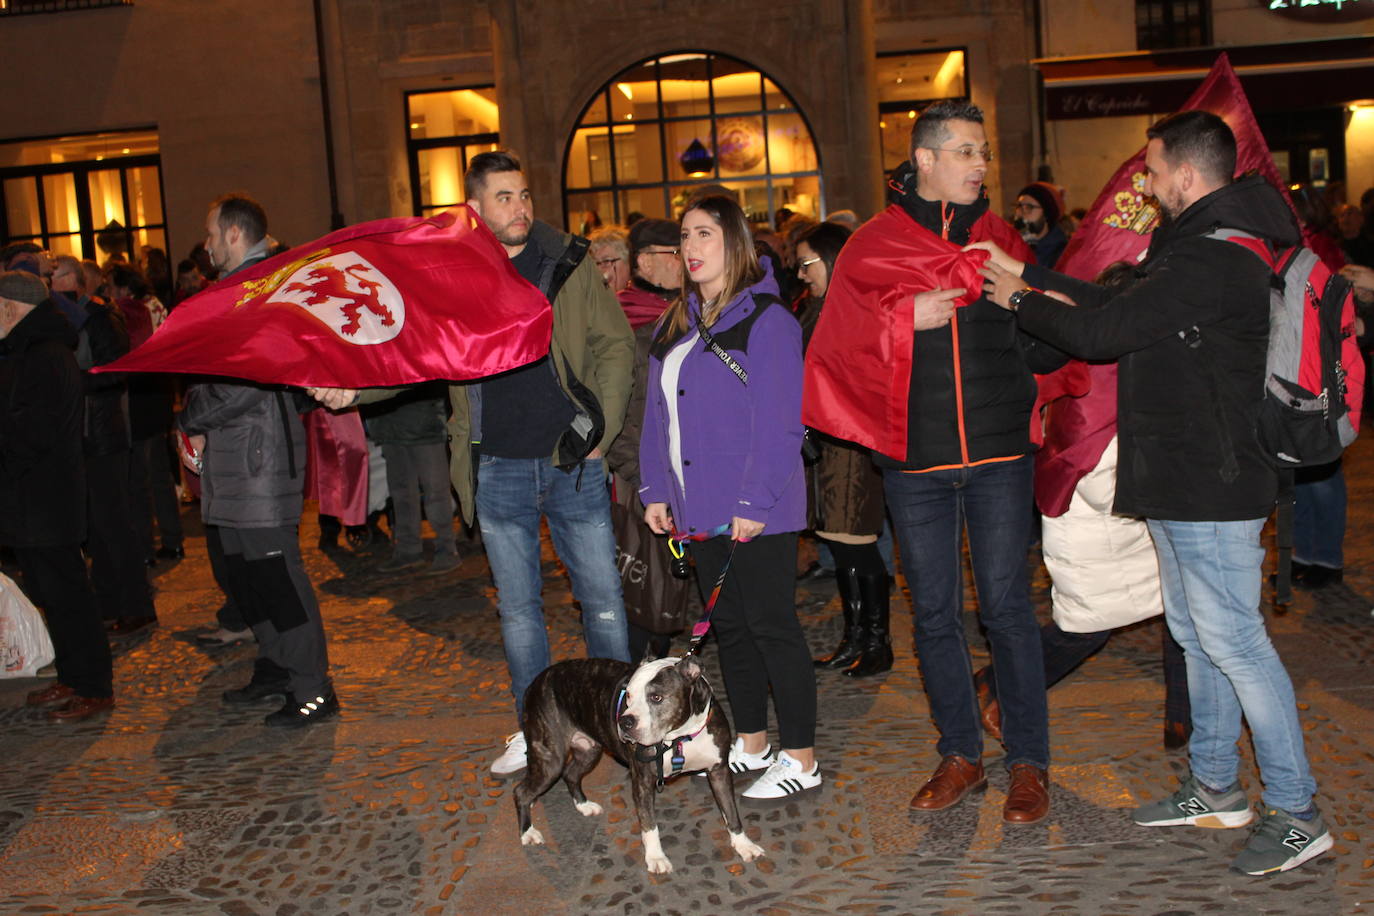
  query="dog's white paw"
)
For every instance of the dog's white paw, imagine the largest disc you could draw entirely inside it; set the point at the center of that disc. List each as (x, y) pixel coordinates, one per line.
(588, 808)
(654, 859)
(531, 837)
(748, 850)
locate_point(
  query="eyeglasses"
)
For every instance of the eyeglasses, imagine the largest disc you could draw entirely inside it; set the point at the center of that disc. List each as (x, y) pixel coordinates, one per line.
(965, 153)
(668, 251)
(806, 262)
(606, 262)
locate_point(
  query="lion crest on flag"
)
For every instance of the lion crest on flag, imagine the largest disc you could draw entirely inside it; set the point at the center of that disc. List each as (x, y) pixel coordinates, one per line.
(348, 295)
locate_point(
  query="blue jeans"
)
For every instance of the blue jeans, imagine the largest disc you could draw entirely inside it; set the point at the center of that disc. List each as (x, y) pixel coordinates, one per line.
(1319, 516)
(929, 512)
(512, 494)
(1211, 573)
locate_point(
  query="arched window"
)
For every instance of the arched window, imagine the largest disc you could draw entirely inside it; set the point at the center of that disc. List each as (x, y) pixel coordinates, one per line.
(670, 124)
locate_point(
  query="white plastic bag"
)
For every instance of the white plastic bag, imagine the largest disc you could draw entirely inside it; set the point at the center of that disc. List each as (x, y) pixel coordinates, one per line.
(24, 643)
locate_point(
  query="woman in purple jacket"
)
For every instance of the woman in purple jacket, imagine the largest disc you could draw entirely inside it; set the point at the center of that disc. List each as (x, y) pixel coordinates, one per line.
(720, 464)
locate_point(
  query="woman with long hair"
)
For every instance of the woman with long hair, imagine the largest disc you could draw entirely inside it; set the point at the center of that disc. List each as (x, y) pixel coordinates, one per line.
(720, 467)
(846, 490)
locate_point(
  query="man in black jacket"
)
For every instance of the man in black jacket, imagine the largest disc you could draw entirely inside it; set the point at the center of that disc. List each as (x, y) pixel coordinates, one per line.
(43, 491)
(1192, 337)
(252, 487)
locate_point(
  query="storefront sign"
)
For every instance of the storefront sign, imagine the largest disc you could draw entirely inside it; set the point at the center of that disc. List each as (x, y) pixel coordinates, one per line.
(1321, 10)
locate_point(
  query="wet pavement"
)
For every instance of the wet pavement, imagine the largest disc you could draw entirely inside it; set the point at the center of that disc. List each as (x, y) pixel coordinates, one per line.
(176, 804)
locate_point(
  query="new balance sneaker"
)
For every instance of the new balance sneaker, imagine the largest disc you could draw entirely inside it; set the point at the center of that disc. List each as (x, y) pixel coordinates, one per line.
(1282, 841)
(512, 759)
(1192, 805)
(783, 778)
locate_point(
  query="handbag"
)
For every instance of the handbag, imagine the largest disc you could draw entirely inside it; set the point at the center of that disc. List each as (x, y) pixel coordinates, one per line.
(655, 599)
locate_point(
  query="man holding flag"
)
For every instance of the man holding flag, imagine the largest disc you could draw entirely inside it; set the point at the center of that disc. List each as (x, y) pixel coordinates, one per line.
(252, 444)
(1192, 336)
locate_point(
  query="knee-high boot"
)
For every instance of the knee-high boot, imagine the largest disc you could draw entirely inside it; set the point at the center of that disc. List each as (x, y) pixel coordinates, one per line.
(851, 643)
(873, 622)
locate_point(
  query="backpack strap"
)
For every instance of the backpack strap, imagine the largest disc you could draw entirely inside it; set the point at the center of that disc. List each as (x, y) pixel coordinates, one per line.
(572, 256)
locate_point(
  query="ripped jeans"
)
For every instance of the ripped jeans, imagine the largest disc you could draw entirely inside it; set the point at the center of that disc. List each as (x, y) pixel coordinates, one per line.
(512, 494)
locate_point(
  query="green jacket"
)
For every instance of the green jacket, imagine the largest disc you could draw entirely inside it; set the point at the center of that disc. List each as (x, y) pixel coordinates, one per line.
(591, 340)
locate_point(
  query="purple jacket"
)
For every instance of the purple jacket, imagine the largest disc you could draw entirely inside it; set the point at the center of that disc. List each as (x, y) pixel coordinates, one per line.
(741, 444)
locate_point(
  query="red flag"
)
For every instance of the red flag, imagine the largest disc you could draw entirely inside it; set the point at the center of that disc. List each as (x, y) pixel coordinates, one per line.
(1117, 228)
(1118, 224)
(389, 302)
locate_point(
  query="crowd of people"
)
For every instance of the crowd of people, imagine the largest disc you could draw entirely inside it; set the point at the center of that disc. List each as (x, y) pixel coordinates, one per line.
(738, 385)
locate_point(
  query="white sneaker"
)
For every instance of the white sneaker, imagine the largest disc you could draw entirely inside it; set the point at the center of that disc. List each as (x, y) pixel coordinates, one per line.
(785, 777)
(512, 759)
(741, 762)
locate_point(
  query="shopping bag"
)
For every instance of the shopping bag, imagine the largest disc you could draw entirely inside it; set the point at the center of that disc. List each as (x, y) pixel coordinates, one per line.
(655, 600)
(24, 643)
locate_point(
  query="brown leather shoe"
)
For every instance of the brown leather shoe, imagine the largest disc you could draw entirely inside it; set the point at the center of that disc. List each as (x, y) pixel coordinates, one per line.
(1028, 797)
(989, 712)
(954, 778)
(78, 708)
(56, 692)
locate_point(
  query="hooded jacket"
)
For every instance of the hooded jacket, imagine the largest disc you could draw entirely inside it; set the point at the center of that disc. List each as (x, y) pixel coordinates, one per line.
(740, 443)
(254, 473)
(591, 351)
(1173, 399)
(42, 468)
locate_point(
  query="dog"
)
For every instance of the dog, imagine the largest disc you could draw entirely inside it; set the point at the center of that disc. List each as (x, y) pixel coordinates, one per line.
(659, 719)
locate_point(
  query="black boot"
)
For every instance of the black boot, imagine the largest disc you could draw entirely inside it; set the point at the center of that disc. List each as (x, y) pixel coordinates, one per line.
(873, 621)
(851, 643)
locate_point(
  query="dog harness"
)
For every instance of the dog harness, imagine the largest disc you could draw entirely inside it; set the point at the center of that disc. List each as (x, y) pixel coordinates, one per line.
(674, 750)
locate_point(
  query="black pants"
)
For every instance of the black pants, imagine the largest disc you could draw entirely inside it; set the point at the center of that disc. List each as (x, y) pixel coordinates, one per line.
(271, 589)
(55, 580)
(153, 494)
(117, 571)
(866, 558)
(761, 641)
(228, 616)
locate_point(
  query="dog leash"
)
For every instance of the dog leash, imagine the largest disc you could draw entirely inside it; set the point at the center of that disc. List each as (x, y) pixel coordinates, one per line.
(703, 626)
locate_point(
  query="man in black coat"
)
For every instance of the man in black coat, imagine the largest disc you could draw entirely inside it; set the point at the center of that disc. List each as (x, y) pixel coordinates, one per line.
(43, 491)
(1192, 336)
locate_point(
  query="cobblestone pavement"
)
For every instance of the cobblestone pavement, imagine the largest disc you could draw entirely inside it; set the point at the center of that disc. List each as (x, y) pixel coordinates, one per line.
(175, 804)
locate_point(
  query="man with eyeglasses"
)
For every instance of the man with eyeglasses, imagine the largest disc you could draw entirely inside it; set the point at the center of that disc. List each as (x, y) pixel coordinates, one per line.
(910, 359)
(1038, 208)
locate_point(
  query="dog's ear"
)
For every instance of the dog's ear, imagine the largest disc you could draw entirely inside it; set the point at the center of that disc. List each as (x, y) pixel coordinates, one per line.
(649, 654)
(689, 668)
(700, 695)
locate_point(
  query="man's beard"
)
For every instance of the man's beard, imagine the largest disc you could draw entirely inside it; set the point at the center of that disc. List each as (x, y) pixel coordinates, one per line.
(1031, 229)
(507, 237)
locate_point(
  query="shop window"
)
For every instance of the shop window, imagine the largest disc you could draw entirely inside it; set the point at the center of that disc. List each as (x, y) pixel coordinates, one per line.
(667, 125)
(1172, 24)
(908, 82)
(95, 196)
(444, 130)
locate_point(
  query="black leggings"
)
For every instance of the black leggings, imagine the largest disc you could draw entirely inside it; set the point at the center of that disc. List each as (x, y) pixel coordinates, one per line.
(761, 641)
(866, 559)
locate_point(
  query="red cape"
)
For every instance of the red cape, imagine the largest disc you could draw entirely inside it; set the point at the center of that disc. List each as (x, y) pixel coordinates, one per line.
(858, 365)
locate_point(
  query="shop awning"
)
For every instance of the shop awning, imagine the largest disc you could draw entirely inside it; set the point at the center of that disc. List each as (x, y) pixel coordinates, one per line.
(1279, 77)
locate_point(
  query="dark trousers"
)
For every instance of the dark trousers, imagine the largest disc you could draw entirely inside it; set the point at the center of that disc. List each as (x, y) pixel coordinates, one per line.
(270, 587)
(761, 641)
(228, 616)
(930, 512)
(117, 571)
(55, 580)
(416, 475)
(153, 494)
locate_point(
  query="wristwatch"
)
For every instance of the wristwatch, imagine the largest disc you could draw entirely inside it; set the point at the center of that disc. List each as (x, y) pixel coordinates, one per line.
(1014, 300)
